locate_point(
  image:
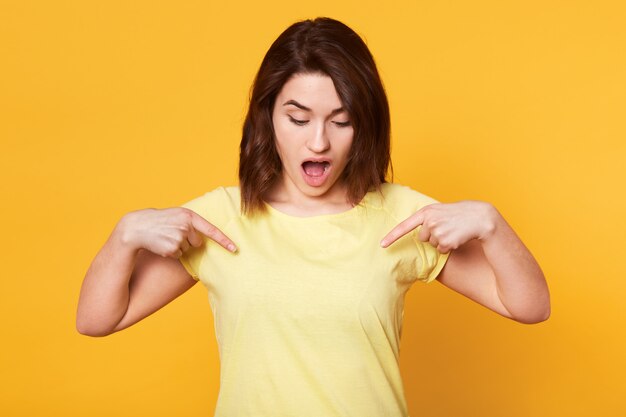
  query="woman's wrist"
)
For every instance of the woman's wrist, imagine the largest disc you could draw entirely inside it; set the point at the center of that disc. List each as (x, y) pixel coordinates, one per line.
(124, 233)
(490, 221)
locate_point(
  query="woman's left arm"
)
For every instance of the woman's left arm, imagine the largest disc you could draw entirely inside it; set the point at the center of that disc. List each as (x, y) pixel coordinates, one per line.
(488, 264)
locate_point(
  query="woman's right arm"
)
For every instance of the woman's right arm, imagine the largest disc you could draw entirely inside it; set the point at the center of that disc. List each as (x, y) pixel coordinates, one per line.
(137, 271)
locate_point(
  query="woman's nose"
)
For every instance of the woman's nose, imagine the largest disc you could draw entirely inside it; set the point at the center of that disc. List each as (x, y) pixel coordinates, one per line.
(319, 141)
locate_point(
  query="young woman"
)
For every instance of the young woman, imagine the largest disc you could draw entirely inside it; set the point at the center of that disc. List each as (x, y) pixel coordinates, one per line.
(308, 260)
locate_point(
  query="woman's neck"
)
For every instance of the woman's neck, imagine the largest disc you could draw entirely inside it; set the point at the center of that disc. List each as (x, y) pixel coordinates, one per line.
(287, 198)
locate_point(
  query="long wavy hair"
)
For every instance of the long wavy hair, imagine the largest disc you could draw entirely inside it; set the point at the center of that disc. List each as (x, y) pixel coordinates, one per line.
(331, 48)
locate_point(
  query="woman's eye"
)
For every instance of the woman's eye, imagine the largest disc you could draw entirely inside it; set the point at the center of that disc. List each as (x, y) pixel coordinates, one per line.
(304, 122)
(298, 122)
(342, 124)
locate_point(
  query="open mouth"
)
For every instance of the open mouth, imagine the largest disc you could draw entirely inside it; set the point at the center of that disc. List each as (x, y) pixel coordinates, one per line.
(315, 169)
(315, 173)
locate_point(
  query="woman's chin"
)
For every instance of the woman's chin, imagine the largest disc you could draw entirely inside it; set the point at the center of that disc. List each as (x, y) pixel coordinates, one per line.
(310, 186)
(330, 186)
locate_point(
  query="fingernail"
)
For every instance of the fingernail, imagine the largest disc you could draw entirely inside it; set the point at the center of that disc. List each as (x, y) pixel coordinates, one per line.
(383, 243)
(231, 247)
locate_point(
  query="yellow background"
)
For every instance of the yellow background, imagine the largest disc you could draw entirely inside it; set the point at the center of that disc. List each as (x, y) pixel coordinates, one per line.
(109, 107)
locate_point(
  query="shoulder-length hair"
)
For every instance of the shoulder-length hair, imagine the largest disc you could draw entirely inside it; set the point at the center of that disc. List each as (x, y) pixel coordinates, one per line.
(329, 47)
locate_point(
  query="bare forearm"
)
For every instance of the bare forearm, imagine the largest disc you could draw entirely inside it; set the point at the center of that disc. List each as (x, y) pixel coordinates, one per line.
(104, 294)
(520, 282)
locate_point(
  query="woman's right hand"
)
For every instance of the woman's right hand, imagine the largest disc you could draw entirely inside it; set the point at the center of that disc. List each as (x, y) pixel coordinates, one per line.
(170, 232)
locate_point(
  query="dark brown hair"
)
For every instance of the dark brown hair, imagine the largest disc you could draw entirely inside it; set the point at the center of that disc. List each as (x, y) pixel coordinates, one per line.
(329, 47)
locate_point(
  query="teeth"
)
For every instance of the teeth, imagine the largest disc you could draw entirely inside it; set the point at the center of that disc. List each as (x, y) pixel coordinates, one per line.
(326, 164)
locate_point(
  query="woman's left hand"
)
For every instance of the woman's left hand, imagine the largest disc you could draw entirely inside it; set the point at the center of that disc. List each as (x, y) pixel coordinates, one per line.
(447, 226)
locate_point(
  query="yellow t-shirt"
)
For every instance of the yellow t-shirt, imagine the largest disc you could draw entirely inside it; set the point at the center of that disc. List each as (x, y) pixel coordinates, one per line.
(308, 313)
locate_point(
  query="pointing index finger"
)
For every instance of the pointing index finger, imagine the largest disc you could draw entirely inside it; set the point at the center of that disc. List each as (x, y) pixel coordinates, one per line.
(201, 224)
(402, 229)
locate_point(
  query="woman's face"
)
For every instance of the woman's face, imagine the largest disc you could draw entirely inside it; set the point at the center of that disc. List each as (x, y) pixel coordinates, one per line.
(313, 136)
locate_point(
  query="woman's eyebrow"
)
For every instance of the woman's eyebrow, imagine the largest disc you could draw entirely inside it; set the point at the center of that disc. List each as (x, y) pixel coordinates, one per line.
(305, 108)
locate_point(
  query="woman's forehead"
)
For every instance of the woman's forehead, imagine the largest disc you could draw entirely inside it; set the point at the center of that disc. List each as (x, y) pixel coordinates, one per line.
(310, 92)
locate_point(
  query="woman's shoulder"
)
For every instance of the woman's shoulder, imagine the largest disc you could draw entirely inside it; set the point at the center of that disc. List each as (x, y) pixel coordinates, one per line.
(218, 205)
(400, 199)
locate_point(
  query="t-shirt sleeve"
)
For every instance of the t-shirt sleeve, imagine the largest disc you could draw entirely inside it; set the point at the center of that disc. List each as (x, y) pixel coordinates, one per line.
(429, 261)
(432, 263)
(192, 257)
(218, 207)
